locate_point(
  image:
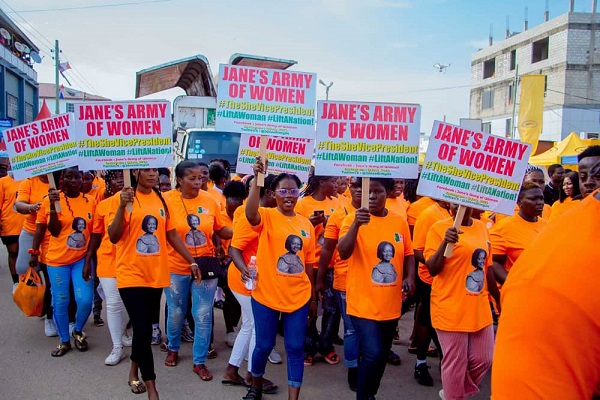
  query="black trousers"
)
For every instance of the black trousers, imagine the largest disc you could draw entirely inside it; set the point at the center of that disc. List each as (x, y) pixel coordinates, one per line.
(141, 304)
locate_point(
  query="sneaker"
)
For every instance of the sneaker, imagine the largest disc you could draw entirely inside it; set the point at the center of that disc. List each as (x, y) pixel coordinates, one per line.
(441, 394)
(115, 356)
(98, 321)
(422, 375)
(186, 334)
(50, 328)
(275, 357)
(156, 335)
(231, 336)
(126, 339)
(15, 287)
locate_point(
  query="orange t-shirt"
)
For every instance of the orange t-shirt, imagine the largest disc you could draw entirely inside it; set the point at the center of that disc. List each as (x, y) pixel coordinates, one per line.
(98, 183)
(512, 235)
(425, 220)
(306, 206)
(376, 267)
(283, 284)
(545, 214)
(11, 221)
(31, 191)
(76, 224)
(397, 205)
(550, 321)
(204, 213)
(245, 238)
(344, 200)
(217, 196)
(97, 193)
(142, 258)
(332, 231)
(459, 295)
(106, 251)
(416, 208)
(559, 208)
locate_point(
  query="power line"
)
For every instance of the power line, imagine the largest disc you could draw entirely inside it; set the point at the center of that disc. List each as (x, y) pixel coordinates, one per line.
(48, 42)
(573, 95)
(95, 6)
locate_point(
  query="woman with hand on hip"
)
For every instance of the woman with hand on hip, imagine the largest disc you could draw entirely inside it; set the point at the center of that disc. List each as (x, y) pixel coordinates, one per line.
(141, 274)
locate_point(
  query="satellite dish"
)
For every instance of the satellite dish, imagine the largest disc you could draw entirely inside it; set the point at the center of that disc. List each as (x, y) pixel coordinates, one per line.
(35, 57)
(20, 46)
(4, 33)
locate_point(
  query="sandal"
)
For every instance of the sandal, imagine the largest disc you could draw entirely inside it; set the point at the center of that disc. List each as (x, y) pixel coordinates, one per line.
(137, 387)
(202, 372)
(61, 350)
(332, 358)
(308, 361)
(269, 387)
(253, 394)
(80, 341)
(212, 353)
(172, 358)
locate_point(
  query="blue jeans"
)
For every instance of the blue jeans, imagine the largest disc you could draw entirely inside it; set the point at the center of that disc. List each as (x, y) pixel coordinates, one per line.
(350, 336)
(267, 320)
(60, 279)
(202, 310)
(374, 341)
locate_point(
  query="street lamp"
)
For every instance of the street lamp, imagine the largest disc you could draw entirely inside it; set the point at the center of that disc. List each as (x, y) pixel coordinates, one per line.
(326, 88)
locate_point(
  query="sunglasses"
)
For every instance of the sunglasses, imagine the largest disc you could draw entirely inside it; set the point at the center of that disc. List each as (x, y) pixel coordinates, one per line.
(288, 192)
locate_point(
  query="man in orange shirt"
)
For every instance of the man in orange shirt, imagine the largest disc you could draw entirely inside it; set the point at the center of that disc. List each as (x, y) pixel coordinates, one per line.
(531, 360)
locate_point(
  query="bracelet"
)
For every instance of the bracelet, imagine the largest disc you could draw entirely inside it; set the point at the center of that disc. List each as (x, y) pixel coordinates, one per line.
(34, 252)
(192, 264)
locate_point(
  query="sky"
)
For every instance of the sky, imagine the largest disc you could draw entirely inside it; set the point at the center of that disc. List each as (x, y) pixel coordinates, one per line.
(372, 50)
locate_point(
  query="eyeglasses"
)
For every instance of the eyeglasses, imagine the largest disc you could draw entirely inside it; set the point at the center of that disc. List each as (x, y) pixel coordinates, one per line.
(288, 192)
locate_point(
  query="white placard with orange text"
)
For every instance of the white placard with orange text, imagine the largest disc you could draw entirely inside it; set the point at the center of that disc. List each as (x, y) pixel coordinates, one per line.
(41, 147)
(124, 135)
(285, 154)
(367, 139)
(263, 101)
(473, 169)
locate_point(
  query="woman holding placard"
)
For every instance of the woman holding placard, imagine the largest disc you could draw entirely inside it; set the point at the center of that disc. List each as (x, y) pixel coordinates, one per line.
(142, 275)
(65, 256)
(379, 251)
(460, 310)
(280, 293)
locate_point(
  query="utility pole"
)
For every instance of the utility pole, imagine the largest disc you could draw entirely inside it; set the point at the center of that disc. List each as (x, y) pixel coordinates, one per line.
(326, 88)
(56, 70)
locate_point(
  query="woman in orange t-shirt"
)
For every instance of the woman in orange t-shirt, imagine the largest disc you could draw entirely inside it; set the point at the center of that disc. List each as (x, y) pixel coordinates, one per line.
(460, 310)
(11, 222)
(102, 252)
(142, 265)
(318, 203)
(569, 195)
(381, 268)
(395, 202)
(70, 232)
(278, 292)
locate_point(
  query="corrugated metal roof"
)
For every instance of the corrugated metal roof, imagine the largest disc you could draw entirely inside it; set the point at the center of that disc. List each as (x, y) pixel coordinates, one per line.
(48, 91)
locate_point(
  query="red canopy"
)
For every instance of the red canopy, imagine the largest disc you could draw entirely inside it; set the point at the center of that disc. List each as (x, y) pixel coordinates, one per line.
(44, 112)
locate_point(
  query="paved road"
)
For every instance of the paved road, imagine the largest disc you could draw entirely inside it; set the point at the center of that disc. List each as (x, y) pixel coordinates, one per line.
(29, 372)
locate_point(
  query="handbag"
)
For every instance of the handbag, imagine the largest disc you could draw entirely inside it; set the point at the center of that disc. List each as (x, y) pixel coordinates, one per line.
(210, 267)
(29, 293)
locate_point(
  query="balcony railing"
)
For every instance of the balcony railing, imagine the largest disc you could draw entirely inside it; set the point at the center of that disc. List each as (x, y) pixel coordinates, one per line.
(17, 65)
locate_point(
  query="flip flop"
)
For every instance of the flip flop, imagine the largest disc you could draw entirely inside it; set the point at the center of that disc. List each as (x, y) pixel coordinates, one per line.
(137, 387)
(61, 350)
(269, 387)
(229, 382)
(332, 358)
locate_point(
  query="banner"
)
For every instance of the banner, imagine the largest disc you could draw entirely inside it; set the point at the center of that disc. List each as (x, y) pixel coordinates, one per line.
(367, 139)
(474, 169)
(531, 109)
(285, 154)
(5, 123)
(124, 135)
(263, 101)
(41, 147)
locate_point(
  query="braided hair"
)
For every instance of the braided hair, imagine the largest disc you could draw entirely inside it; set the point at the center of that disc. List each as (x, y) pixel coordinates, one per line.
(62, 188)
(313, 184)
(134, 184)
(111, 175)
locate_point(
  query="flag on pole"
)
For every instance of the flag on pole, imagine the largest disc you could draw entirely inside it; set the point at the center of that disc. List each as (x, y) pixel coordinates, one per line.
(64, 66)
(531, 109)
(61, 94)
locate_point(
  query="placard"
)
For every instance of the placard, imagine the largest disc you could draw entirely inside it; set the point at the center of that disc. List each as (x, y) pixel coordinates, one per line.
(285, 154)
(5, 123)
(367, 139)
(124, 135)
(473, 169)
(264, 101)
(41, 147)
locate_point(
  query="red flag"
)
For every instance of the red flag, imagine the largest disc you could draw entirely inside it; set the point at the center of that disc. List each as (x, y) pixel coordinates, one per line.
(64, 66)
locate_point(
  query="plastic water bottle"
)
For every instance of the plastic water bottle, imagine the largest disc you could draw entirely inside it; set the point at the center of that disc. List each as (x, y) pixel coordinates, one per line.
(252, 270)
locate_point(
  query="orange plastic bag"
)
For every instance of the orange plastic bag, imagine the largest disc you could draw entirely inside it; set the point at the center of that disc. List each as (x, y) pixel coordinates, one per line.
(29, 294)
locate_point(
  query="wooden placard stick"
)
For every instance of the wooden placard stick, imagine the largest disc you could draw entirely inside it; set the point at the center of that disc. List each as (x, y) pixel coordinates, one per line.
(52, 185)
(127, 184)
(260, 179)
(364, 197)
(460, 214)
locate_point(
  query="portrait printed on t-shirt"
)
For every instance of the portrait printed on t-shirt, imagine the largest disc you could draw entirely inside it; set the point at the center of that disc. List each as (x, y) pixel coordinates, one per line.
(384, 272)
(475, 279)
(148, 242)
(290, 262)
(194, 237)
(77, 240)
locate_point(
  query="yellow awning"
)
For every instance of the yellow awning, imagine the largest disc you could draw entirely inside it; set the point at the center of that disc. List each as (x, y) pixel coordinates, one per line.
(568, 148)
